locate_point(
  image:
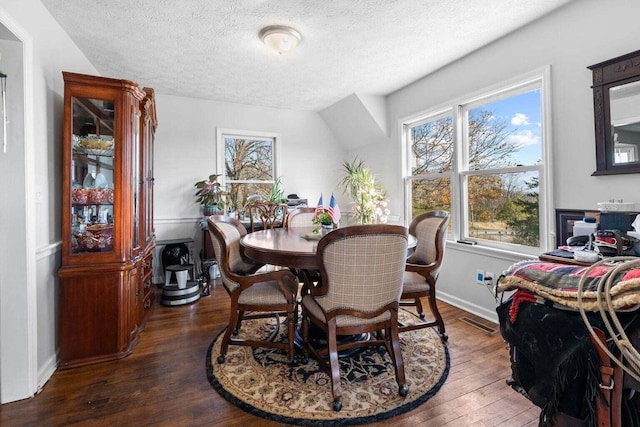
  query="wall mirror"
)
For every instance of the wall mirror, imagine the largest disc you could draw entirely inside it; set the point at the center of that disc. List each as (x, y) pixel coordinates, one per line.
(616, 106)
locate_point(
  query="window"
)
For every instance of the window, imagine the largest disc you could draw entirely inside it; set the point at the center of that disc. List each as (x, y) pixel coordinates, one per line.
(483, 160)
(248, 164)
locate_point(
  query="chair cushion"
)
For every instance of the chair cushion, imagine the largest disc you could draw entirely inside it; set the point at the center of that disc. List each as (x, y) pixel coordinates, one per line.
(414, 282)
(264, 293)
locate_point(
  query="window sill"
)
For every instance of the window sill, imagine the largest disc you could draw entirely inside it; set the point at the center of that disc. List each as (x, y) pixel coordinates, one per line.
(479, 249)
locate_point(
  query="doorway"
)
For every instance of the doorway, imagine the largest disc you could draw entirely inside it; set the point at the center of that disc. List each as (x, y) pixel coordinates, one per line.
(18, 370)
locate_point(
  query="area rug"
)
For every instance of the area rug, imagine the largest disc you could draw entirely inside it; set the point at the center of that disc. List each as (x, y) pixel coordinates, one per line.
(263, 383)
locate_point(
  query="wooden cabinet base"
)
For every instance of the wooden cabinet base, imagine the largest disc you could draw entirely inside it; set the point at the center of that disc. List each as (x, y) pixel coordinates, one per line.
(74, 363)
(101, 312)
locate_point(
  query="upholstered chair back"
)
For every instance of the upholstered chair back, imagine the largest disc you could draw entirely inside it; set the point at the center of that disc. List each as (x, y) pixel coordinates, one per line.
(362, 267)
(430, 229)
(225, 235)
(301, 217)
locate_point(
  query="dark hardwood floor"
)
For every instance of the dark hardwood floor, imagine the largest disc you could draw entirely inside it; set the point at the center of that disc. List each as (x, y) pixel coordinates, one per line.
(164, 383)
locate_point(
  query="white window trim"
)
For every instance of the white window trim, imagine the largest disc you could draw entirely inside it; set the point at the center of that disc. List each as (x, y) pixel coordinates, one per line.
(546, 197)
(221, 133)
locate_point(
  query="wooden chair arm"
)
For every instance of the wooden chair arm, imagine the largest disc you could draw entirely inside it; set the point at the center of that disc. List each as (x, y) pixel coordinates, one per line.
(422, 269)
(279, 276)
(337, 311)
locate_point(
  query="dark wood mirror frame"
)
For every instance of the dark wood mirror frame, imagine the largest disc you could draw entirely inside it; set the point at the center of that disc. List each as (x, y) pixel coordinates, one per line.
(606, 75)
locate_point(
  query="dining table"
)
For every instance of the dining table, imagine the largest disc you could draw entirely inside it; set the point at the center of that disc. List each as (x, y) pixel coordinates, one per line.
(293, 247)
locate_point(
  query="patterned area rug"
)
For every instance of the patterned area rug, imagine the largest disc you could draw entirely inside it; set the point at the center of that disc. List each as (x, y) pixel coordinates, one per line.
(262, 382)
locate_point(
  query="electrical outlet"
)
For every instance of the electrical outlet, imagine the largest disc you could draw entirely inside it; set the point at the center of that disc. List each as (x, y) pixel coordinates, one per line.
(480, 277)
(489, 278)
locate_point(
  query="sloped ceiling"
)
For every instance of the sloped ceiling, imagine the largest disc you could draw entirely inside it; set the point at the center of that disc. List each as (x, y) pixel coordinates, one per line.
(357, 121)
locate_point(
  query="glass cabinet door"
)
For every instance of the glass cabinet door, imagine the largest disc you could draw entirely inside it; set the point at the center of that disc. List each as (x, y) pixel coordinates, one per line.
(92, 175)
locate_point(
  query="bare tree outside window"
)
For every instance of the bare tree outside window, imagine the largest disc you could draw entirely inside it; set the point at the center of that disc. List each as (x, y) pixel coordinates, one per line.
(499, 157)
(249, 168)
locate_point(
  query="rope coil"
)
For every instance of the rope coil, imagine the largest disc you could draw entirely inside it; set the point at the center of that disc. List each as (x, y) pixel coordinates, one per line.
(609, 316)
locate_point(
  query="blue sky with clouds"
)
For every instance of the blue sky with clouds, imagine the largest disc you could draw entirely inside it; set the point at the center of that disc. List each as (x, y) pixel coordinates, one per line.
(522, 115)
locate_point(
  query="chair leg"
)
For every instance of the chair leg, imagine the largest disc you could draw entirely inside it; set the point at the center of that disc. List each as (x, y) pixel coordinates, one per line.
(336, 390)
(236, 328)
(224, 347)
(396, 355)
(433, 305)
(419, 308)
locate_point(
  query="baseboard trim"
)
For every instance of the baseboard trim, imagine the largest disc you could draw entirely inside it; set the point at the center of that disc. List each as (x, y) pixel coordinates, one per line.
(46, 371)
(490, 315)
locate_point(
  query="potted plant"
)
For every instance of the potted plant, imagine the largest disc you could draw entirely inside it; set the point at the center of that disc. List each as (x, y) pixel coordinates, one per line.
(210, 195)
(324, 222)
(277, 193)
(370, 205)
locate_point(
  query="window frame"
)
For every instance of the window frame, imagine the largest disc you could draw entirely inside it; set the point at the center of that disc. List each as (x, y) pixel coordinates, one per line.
(223, 133)
(460, 173)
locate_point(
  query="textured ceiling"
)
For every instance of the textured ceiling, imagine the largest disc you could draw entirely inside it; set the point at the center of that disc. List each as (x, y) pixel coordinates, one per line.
(210, 48)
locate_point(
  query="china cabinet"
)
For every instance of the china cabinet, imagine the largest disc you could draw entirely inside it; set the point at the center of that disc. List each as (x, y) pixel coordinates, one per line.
(108, 236)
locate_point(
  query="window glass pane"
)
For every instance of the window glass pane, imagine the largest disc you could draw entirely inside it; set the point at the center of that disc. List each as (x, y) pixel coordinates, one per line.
(429, 195)
(249, 168)
(504, 207)
(506, 132)
(248, 159)
(238, 193)
(432, 146)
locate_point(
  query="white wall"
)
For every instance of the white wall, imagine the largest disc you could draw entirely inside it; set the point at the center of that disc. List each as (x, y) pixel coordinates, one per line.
(581, 34)
(32, 197)
(185, 152)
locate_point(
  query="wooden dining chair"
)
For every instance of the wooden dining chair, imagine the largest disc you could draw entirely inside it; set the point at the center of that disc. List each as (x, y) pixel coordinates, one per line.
(301, 217)
(261, 294)
(361, 270)
(266, 214)
(423, 267)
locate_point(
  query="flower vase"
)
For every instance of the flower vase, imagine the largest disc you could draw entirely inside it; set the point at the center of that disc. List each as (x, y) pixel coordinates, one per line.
(325, 228)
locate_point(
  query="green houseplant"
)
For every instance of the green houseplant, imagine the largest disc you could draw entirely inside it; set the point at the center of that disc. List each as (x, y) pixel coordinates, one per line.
(370, 205)
(323, 222)
(210, 195)
(277, 193)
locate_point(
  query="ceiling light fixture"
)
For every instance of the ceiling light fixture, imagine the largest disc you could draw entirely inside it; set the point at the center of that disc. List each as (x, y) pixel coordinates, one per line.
(280, 38)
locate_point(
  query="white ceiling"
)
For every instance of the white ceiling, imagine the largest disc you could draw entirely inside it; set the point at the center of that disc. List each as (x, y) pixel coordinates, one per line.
(210, 48)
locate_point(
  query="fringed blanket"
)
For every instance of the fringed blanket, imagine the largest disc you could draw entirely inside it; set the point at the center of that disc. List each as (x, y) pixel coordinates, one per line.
(553, 362)
(559, 283)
